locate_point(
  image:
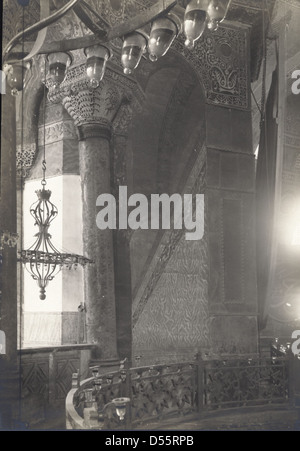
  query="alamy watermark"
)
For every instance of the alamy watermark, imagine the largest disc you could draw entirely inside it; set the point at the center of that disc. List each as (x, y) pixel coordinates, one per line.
(2, 342)
(296, 344)
(163, 212)
(296, 84)
(2, 82)
(296, 334)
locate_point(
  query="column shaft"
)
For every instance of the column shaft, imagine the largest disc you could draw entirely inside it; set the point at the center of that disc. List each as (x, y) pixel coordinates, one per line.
(94, 161)
(9, 372)
(8, 222)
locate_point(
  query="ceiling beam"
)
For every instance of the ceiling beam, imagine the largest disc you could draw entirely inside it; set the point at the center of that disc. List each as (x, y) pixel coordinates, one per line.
(141, 19)
(102, 37)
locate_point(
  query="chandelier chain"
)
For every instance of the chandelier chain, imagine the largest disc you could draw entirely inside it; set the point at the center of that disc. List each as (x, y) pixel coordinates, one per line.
(44, 165)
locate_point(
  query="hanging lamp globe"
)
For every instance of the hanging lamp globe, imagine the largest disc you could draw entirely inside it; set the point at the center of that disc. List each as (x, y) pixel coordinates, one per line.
(195, 20)
(134, 46)
(58, 64)
(97, 57)
(16, 76)
(163, 32)
(216, 11)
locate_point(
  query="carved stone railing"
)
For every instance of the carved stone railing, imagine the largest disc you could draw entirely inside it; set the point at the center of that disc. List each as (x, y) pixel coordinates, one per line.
(245, 383)
(162, 391)
(154, 392)
(90, 396)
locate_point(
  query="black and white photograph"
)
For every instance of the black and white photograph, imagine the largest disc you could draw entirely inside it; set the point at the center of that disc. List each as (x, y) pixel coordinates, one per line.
(150, 218)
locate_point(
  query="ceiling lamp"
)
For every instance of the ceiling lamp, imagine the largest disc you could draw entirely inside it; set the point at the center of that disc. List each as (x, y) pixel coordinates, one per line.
(163, 32)
(195, 19)
(58, 64)
(42, 260)
(165, 27)
(216, 11)
(134, 46)
(16, 75)
(97, 57)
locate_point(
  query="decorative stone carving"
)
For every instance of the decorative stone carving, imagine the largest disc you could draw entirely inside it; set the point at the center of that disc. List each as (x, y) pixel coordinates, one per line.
(12, 14)
(7, 238)
(220, 60)
(25, 159)
(91, 110)
(77, 81)
(68, 27)
(88, 105)
(114, 11)
(27, 153)
(94, 110)
(123, 118)
(56, 132)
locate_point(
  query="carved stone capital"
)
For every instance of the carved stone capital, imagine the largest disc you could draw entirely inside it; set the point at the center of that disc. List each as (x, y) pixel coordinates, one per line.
(94, 111)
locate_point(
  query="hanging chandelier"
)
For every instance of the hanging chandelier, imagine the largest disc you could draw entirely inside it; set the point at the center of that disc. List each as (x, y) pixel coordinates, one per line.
(152, 31)
(42, 260)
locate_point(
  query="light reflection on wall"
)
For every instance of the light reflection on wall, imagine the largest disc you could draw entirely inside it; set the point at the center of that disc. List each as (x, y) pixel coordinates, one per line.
(289, 231)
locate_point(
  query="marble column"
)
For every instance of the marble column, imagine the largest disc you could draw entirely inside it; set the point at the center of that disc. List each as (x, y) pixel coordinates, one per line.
(121, 171)
(8, 222)
(94, 112)
(94, 163)
(9, 373)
